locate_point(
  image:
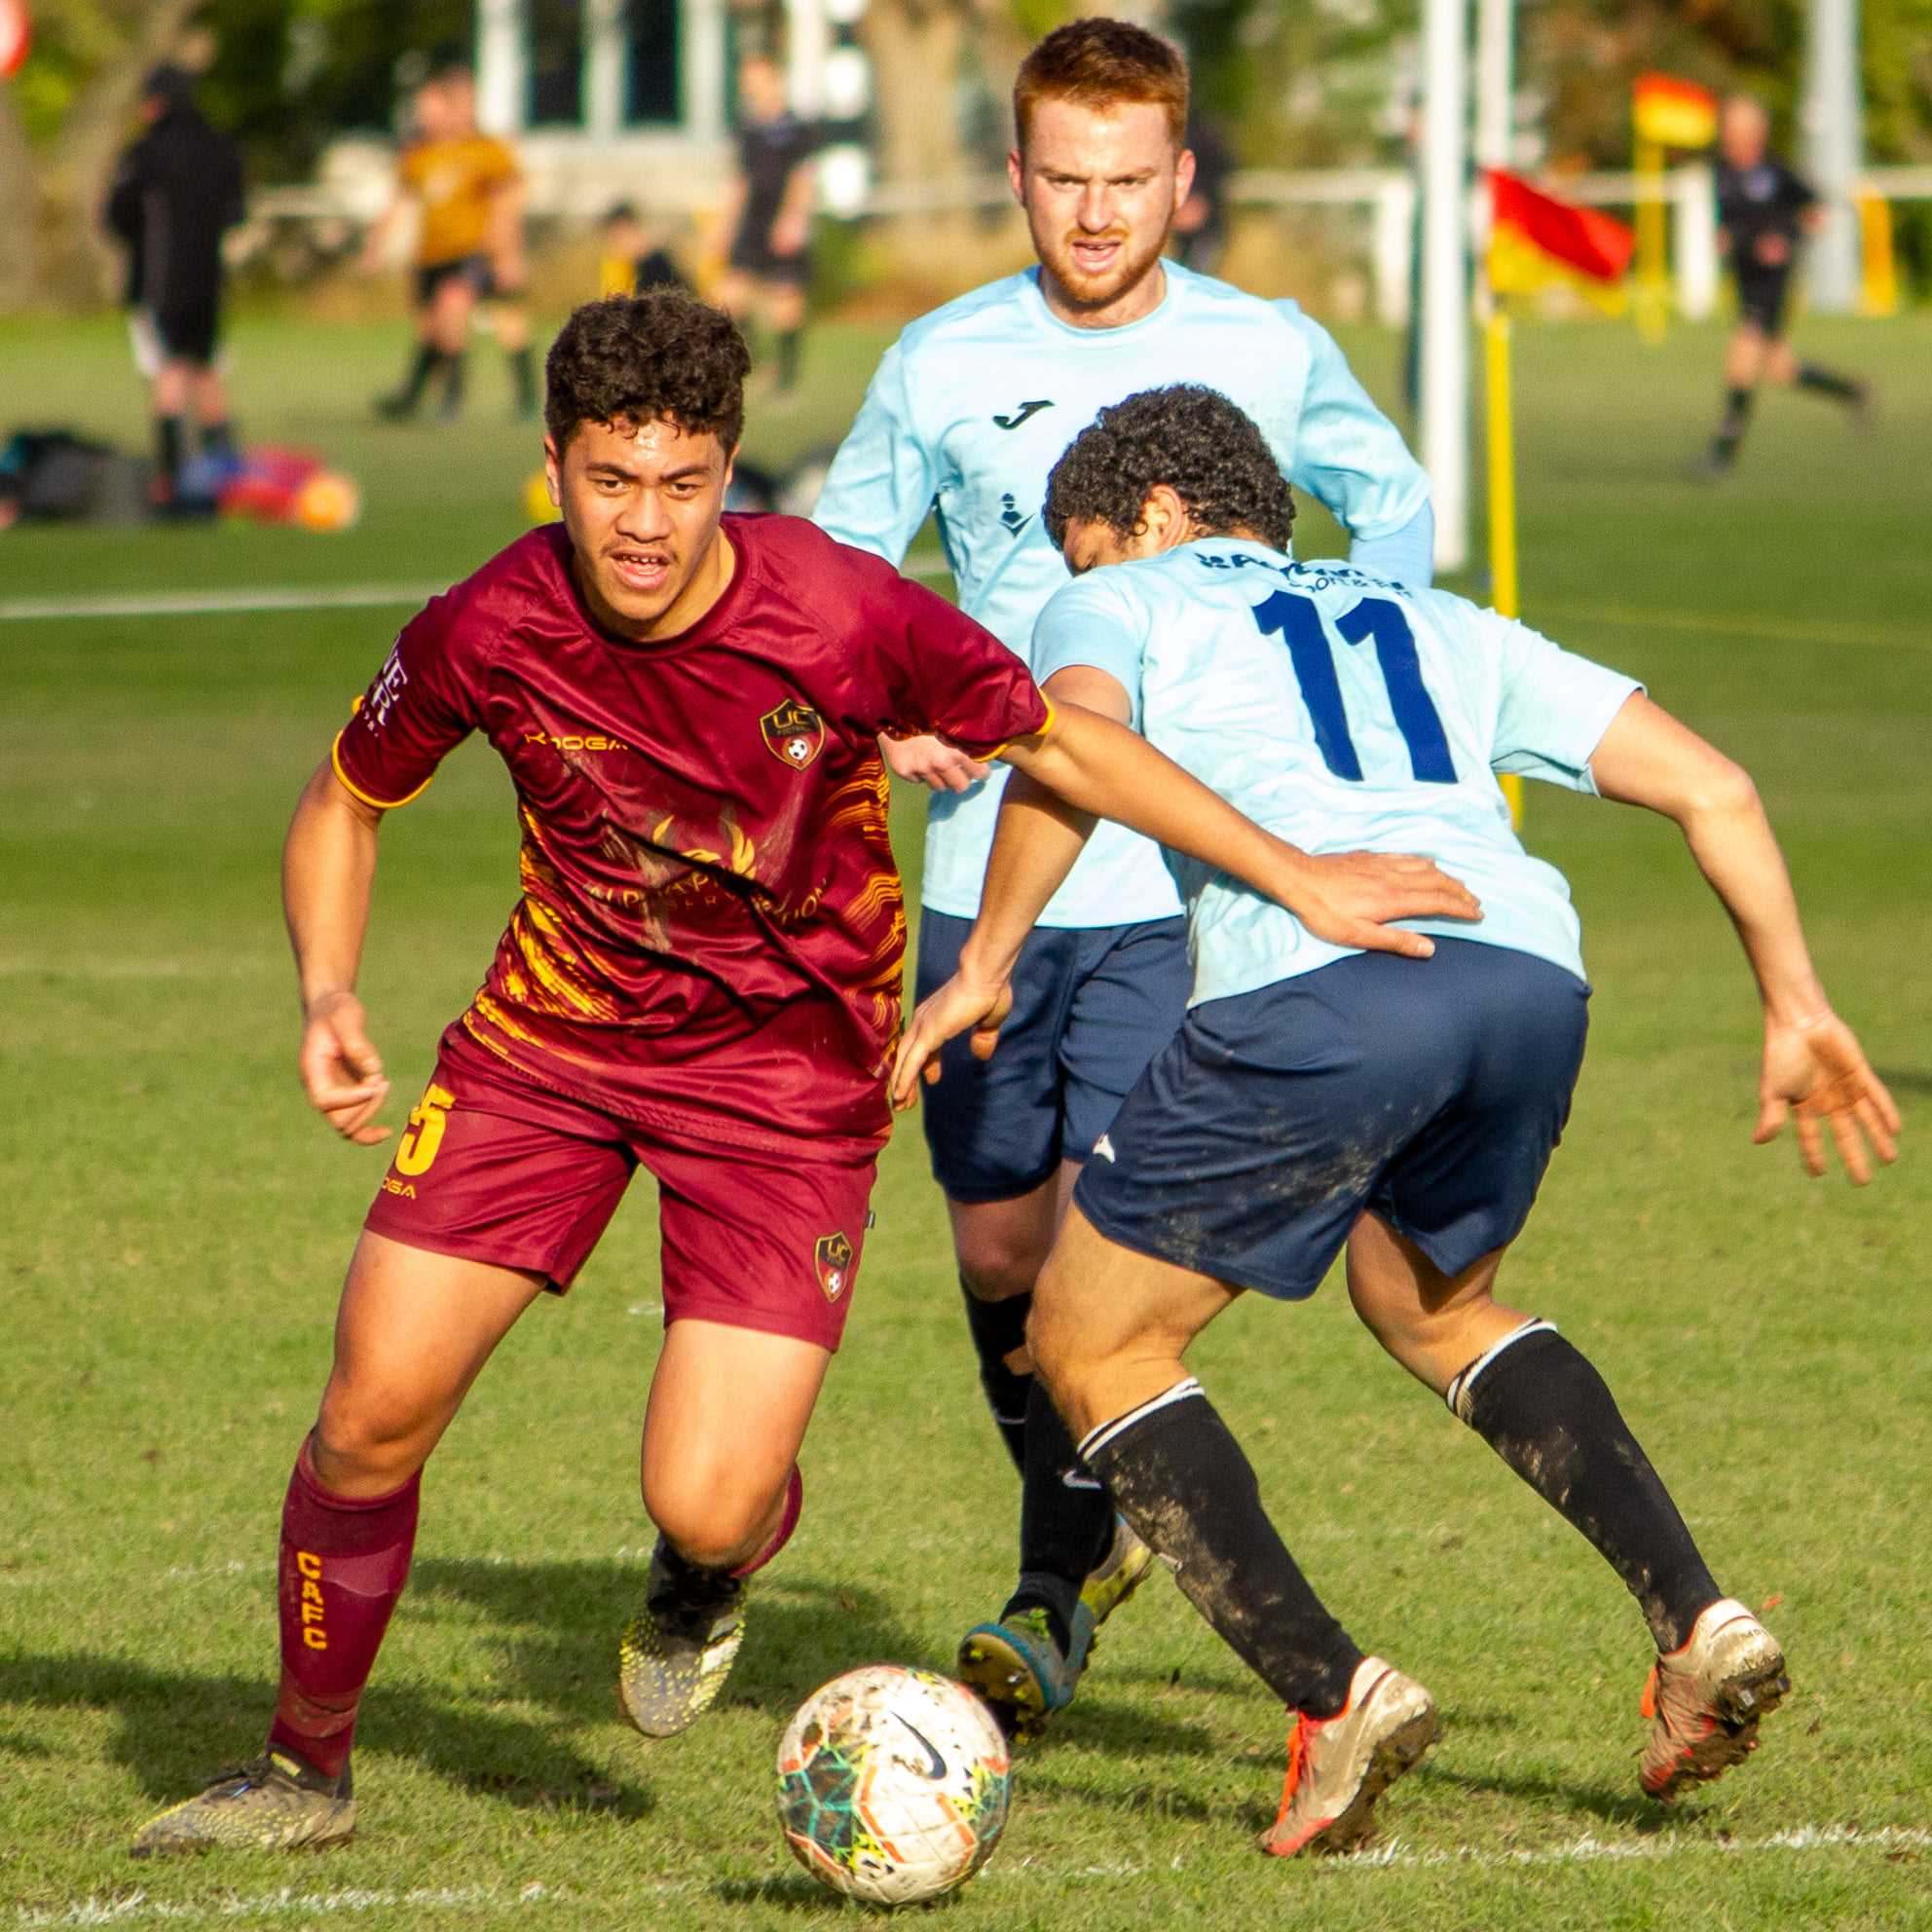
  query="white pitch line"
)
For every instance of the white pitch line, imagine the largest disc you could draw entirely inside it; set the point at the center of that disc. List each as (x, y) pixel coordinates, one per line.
(136, 1908)
(220, 602)
(277, 597)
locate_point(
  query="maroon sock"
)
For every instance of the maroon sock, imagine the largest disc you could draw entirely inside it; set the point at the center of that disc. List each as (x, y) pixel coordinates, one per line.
(788, 1521)
(344, 1563)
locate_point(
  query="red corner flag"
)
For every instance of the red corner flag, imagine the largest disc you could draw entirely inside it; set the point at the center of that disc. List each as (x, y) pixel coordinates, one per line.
(1534, 239)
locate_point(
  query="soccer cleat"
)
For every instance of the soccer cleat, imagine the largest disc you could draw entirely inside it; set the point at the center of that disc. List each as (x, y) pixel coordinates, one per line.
(1338, 1766)
(676, 1651)
(1119, 1573)
(274, 1802)
(1020, 1671)
(1704, 1699)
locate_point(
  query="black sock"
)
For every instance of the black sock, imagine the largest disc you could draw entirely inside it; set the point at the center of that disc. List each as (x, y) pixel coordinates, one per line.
(168, 448)
(998, 1327)
(1067, 1520)
(1828, 382)
(219, 438)
(523, 372)
(1730, 425)
(1179, 1475)
(425, 365)
(1547, 1413)
(788, 356)
(455, 376)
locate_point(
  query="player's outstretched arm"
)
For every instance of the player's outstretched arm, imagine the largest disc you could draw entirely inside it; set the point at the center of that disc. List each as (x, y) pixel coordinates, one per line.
(1813, 1066)
(1088, 765)
(1348, 897)
(328, 868)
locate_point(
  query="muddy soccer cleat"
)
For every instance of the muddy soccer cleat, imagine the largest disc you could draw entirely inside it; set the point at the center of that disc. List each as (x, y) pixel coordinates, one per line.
(676, 1651)
(1019, 1670)
(274, 1802)
(1119, 1573)
(1705, 1699)
(1338, 1766)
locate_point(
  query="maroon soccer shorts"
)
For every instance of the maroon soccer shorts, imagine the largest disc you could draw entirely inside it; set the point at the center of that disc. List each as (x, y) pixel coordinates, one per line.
(493, 1168)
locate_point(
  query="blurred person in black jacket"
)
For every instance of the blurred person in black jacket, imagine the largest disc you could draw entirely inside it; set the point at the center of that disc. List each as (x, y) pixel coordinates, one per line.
(176, 191)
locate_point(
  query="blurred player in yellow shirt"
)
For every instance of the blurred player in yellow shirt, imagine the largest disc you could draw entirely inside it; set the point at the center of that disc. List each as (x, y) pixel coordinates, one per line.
(469, 192)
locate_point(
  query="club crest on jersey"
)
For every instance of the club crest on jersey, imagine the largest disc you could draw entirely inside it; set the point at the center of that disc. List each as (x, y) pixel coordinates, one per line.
(795, 733)
(833, 1257)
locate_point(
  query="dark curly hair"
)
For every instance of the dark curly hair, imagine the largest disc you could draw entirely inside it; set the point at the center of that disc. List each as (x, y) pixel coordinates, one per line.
(637, 358)
(1187, 436)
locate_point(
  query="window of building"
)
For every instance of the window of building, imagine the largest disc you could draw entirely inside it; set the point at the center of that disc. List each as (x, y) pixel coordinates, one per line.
(556, 62)
(653, 49)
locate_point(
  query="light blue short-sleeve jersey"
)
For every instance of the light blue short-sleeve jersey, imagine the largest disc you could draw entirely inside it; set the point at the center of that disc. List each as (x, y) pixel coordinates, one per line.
(1345, 713)
(968, 413)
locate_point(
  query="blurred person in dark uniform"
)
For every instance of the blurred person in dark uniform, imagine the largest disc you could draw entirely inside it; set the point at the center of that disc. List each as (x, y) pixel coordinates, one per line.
(469, 192)
(177, 190)
(767, 231)
(1201, 222)
(1764, 212)
(635, 260)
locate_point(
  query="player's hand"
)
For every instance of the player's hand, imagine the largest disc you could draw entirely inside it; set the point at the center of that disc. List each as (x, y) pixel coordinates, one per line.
(789, 235)
(928, 760)
(960, 1004)
(1815, 1071)
(1773, 252)
(1348, 897)
(342, 1072)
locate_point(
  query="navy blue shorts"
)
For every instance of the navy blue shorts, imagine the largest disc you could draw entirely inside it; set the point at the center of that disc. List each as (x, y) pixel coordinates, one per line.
(1090, 1006)
(1429, 1092)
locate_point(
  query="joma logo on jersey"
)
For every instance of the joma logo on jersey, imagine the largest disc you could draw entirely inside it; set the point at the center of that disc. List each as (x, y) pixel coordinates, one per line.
(833, 1257)
(794, 732)
(1024, 413)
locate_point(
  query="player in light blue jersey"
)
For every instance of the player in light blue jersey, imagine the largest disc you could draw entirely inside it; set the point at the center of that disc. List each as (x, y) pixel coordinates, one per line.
(967, 415)
(1317, 1096)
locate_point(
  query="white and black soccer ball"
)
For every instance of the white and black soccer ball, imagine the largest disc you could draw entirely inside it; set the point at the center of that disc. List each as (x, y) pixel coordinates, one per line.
(893, 1784)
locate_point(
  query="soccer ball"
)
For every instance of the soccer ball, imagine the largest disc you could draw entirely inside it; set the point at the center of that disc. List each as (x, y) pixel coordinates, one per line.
(892, 1784)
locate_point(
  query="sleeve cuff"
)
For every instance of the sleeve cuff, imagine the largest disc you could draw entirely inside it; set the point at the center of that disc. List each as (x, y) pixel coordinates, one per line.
(356, 791)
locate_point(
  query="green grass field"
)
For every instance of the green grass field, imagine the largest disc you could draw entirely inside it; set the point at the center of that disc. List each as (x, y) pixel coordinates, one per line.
(178, 1223)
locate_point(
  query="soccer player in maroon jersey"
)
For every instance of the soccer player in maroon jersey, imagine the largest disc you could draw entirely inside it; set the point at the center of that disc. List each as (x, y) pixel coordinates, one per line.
(702, 978)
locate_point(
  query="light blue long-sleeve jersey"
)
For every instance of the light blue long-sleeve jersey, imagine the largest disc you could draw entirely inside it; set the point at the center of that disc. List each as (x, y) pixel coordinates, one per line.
(970, 410)
(1345, 713)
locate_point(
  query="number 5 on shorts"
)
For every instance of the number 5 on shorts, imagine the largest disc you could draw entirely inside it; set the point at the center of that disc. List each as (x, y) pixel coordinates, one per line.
(416, 1148)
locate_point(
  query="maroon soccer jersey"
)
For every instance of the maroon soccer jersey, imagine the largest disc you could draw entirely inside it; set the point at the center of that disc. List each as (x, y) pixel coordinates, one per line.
(712, 925)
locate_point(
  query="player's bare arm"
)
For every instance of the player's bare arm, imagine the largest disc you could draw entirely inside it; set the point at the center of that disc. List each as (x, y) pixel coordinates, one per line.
(376, 244)
(508, 205)
(1093, 767)
(1813, 1069)
(730, 212)
(328, 868)
(791, 227)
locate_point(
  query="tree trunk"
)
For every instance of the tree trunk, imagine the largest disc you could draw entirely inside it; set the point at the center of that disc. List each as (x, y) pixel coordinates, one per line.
(20, 209)
(915, 48)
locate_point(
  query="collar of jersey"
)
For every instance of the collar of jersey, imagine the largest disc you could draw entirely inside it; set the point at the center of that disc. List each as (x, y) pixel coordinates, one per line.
(1157, 317)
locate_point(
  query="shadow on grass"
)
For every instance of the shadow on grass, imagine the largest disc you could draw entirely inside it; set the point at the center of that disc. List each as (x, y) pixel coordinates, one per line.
(557, 1625)
(1906, 1080)
(1615, 1807)
(173, 1730)
(551, 1630)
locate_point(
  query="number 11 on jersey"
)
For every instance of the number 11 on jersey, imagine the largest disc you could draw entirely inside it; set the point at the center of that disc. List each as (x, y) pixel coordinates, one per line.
(1294, 619)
